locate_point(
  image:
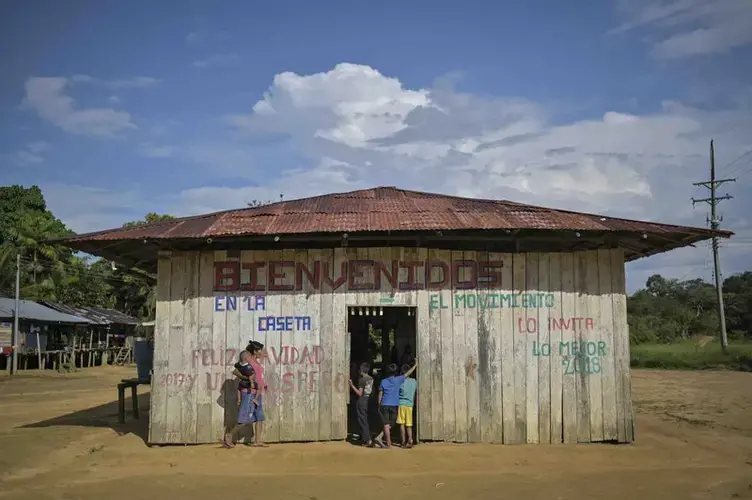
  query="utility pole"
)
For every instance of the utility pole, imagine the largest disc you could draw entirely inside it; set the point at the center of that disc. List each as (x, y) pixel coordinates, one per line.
(713, 201)
(16, 313)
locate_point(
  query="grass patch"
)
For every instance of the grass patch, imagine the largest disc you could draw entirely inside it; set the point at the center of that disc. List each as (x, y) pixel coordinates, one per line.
(692, 355)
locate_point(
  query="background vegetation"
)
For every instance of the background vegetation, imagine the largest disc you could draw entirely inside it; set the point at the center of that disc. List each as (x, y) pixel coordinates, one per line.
(673, 324)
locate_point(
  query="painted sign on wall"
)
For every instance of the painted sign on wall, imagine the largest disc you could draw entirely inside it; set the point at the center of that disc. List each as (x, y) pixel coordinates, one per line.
(254, 303)
(300, 370)
(280, 275)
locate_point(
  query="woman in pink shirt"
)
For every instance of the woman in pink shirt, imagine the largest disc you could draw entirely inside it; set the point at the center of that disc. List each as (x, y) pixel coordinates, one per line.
(257, 417)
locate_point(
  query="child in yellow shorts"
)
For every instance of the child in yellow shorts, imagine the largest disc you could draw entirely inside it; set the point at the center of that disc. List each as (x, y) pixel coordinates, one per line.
(406, 402)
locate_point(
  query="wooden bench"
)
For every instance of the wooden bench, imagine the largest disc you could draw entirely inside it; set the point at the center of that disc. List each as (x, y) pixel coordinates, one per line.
(133, 383)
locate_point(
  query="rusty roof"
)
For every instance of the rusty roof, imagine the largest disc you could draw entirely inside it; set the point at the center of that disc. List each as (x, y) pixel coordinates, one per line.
(382, 210)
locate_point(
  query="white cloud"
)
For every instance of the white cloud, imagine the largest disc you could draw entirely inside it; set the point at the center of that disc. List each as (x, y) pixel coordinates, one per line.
(352, 127)
(440, 140)
(686, 28)
(46, 96)
(215, 60)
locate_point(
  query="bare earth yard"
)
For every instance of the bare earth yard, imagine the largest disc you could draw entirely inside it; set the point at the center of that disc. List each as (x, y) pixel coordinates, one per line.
(59, 439)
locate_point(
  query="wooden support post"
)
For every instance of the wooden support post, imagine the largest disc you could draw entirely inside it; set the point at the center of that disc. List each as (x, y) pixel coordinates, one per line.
(39, 353)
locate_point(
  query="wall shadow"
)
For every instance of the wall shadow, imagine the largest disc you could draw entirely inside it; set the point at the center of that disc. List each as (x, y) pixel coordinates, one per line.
(106, 416)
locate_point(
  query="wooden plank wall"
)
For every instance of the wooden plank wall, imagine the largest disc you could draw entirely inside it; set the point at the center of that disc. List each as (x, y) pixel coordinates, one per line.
(543, 359)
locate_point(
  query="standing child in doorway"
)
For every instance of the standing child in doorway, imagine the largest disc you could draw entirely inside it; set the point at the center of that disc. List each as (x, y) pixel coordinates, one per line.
(363, 391)
(406, 403)
(389, 401)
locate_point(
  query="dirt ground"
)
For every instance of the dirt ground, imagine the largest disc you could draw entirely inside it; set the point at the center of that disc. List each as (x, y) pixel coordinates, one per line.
(59, 439)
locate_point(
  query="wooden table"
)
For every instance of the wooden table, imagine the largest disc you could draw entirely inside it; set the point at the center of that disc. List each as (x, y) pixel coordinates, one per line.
(133, 383)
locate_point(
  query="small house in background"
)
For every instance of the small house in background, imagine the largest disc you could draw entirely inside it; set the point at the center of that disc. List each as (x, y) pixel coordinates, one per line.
(109, 330)
(516, 313)
(40, 327)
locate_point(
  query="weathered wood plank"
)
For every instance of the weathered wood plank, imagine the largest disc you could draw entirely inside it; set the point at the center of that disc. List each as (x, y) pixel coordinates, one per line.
(433, 426)
(569, 386)
(274, 369)
(308, 305)
(605, 326)
(449, 374)
(472, 355)
(621, 349)
(289, 399)
(223, 394)
(189, 373)
(158, 405)
(460, 363)
(556, 368)
(176, 355)
(531, 339)
(578, 360)
(493, 319)
(591, 335)
(424, 376)
(485, 321)
(520, 355)
(325, 342)
(508, 325)
(205, 403)
(340, 392)
(544, 358)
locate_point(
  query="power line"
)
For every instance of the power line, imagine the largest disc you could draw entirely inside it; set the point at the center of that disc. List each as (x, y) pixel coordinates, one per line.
(713, 201)
(728, 165)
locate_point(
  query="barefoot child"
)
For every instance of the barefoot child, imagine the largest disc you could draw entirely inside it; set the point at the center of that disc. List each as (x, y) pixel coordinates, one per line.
(406, 403)
(389, 400)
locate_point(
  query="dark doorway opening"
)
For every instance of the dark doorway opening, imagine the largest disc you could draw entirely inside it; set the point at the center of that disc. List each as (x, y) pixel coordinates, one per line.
(379, 336)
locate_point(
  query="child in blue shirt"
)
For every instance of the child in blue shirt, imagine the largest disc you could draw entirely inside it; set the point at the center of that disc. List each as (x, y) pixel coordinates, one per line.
(389, 400)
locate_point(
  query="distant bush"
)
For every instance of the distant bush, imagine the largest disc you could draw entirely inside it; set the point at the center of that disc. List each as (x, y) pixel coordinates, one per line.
(692, 355)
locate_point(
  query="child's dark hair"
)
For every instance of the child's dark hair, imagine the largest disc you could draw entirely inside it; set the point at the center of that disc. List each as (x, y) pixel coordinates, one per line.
(365, 368)
(405, 369)
(391, 369)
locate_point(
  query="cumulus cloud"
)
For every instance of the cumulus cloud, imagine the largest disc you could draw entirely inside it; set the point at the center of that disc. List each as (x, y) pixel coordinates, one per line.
(442, 140)
(47, 97)
(685, 28)
(352, 127)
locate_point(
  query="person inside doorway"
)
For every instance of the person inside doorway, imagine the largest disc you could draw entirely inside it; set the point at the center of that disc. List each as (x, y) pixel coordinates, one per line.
(407, 356)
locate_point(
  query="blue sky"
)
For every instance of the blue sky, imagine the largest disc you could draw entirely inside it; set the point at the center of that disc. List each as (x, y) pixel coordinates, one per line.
(120, 108)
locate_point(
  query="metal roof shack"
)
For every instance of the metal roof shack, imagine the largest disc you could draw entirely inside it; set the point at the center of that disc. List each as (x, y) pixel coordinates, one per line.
(31, 311)
(96, 315)
(387, 216)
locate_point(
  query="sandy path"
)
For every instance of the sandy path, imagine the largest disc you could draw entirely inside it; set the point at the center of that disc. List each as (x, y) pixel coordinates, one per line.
(60, 440)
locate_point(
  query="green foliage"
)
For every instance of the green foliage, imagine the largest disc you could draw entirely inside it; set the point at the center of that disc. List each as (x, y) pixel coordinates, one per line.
(668, 311)
(53, 272)
(693, 355)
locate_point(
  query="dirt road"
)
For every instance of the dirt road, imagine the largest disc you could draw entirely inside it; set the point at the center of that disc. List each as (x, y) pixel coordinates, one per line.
(59, 439)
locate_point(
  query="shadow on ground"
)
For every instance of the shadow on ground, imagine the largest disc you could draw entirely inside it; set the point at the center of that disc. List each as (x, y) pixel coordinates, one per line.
(105, 415)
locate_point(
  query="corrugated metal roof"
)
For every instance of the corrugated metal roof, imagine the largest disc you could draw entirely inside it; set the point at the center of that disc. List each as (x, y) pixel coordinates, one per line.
(97, 315)
(32, 311)
(380, 209)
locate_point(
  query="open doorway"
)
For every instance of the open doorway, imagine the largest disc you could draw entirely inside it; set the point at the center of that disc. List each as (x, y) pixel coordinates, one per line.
(379, 336)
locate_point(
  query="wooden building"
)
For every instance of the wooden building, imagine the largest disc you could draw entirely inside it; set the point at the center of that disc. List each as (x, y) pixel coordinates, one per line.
(517, 314)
